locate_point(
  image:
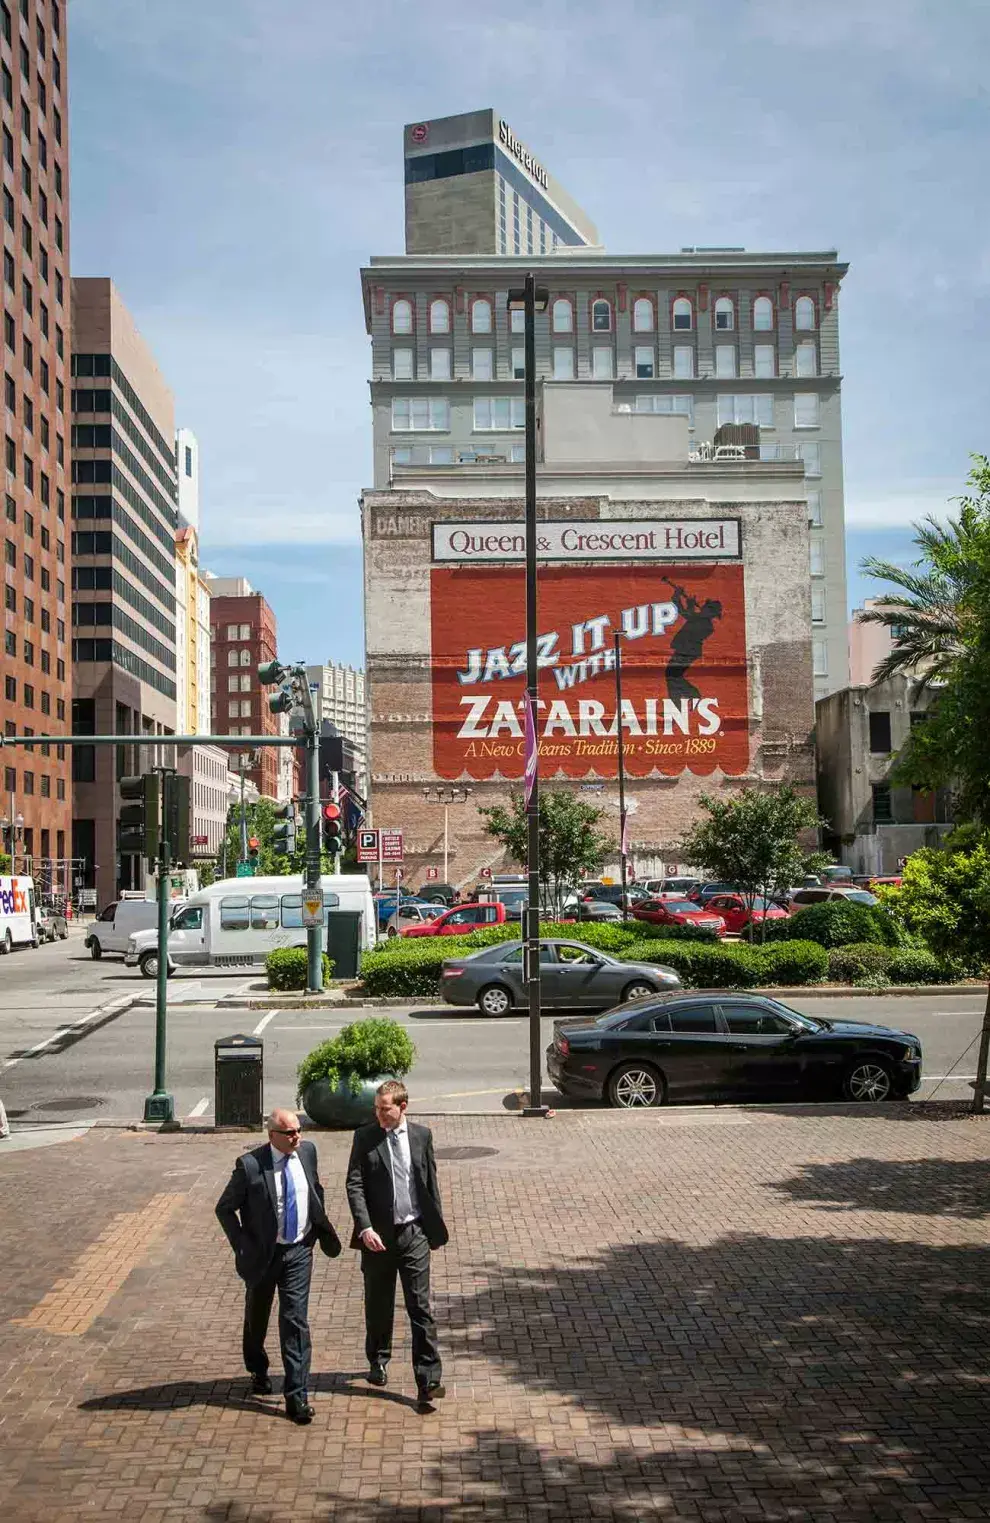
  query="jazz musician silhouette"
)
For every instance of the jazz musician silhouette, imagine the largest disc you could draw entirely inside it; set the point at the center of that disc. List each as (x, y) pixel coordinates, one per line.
(689, 639)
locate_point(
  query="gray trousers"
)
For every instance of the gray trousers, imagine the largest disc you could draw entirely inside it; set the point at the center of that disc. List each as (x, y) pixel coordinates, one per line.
(289, 1273)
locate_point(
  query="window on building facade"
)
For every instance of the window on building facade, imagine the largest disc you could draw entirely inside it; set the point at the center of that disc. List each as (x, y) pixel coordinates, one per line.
(683, 315)
(806, 358)
(439, 364)
(804, 314)
(817, 603)
(817, 555)
(725, 360)
(246, 682)
(602, 367)
(883, 807)
(880, 735)
(806, 409)
(481, 364)
(764, 361)
(643, 315)
(232, 654)
(763, 314)
(518, 362)
(413, 414)
(245, 634)
(644, 362)
(681, 406)
(499, 412)
(481, 315)
(562, 316)
(601, 316)
(812, 456)
(815, 508)
(563, 362)
(819, 658)
(439, 315)
(232, 683)
(402, 316)
(517, 320)
(231, 631)
(402, 364)
(683, 362)
(725, 314)
(757, 408)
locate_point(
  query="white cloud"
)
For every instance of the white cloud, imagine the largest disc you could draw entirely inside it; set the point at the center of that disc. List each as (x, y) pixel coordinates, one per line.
(898, 505)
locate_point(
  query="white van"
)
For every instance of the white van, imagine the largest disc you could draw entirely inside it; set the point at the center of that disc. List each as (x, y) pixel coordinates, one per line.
(115, 925)
(235, 923)
(18, 924)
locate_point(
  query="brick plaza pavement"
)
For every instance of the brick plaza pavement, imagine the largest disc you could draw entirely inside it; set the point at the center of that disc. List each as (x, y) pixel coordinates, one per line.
(707, 1315)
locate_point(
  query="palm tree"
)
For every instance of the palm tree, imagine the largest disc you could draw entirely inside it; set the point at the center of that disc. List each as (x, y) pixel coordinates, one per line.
(940, 593)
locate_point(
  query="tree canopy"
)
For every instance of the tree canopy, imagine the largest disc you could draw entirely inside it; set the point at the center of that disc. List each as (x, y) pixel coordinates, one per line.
(572, 844)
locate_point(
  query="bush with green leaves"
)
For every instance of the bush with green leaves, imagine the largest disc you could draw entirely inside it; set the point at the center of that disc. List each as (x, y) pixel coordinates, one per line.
(676, 932)
(836, 923)
(369, 1049)
(858, 961)
(792, 962)
(912, 966)
(412, 970)
(287, 969)
(701, 965)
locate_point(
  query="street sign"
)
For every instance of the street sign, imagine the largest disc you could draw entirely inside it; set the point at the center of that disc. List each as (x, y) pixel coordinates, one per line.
(245, 870)
(312, 909)
(199, 840)
(391, 846)
(433, 872)
(486, 872)
(367, 846)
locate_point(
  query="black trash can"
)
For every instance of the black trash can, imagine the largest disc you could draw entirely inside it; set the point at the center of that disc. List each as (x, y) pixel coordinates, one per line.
(239, 1081)
(344, 942)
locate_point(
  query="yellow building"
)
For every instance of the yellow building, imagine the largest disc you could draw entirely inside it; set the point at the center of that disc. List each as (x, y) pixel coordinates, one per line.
(192, 637)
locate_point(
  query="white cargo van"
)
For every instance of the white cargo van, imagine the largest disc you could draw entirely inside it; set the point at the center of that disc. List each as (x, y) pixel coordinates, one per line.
(115, 925)
(235, 923)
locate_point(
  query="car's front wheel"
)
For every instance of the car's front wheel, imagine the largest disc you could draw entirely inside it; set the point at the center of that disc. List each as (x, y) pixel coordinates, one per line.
(494, 1000)
(638, 989)
(149, 965)
(868, 1080)
(635, 1086)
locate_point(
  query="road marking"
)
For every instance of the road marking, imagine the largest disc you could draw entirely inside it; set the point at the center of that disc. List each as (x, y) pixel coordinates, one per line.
(200, 1108)
(265, 1020)
(471, 1094)
(120, 1003)
(414, 1026)
(963, 1078)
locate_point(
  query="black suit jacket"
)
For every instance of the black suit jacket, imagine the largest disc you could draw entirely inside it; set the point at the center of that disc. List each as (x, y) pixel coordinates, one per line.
(369, 1184)
(248, 1211)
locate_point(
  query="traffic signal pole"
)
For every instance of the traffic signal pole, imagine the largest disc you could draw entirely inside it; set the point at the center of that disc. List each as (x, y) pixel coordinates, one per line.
(314, 934)
(160, 1105)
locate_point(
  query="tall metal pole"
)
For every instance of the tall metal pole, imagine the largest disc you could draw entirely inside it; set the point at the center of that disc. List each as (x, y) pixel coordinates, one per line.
(160, 1105)
(622, 768)
(314, 934)
(535, 1107)
(241, 761)
(446, 839)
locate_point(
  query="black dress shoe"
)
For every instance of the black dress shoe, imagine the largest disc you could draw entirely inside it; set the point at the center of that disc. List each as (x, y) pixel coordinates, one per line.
(261, 1385)
(298, 1410)
(377, 1375)
(427, 1394)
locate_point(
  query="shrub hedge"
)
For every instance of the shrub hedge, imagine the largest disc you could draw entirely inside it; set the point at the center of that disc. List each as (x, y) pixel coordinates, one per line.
(857, 961)
(792, 962)
(836, 923)
(287, 969)
(912, 966)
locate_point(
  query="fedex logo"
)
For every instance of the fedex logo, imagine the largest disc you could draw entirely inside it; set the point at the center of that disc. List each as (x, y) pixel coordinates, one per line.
(13, 900)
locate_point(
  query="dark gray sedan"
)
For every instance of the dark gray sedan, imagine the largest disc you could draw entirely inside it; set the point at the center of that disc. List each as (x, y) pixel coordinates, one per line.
(572, 977)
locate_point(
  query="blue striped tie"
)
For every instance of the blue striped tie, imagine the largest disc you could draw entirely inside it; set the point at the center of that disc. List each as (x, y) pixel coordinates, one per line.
(290, 1229)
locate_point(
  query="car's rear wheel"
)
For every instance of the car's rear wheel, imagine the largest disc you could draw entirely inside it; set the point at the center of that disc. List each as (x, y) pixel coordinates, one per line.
(149, 965)
(635, 1086)
(868, 1080)
(637, 990)
(64, 935)
(391, 931)
(494, 1000)
(7, 945)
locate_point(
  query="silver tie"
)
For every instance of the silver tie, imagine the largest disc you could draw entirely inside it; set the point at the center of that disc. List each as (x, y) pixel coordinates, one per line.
(400, 1180)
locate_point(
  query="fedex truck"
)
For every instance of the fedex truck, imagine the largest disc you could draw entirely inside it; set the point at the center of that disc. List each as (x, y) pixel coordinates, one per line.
(18, 923)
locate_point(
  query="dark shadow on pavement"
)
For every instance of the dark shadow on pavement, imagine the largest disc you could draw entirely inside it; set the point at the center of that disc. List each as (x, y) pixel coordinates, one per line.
(919, 1186)
(234, 1392)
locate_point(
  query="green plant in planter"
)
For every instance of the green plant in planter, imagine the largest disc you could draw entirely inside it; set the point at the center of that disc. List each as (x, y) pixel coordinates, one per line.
(288, 968)
(363, 1050)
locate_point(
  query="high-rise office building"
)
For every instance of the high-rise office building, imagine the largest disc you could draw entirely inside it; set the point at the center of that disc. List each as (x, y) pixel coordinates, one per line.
(125, 518)
(187, 470)
(472, 187)
(35, 803)
(341, 700)
(243, 635)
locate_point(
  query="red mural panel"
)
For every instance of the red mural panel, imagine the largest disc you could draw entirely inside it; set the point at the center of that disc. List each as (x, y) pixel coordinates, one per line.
(684, 688)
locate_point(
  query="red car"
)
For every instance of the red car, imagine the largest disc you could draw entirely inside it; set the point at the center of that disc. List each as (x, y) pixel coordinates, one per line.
(675, 911)
(460, 921)
(737, 914)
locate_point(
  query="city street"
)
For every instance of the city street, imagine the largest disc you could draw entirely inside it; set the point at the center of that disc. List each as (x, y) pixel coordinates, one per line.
(82, 1051)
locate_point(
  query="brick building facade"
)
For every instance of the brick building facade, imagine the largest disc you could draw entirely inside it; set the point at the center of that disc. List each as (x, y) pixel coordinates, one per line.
(243, 634)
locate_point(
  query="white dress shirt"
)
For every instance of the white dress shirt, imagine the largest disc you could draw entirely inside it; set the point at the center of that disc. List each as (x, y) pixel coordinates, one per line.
(281, 1162)
(406, 1208)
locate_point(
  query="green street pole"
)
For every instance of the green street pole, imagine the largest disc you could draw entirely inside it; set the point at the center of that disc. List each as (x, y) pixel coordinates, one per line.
(160, 1105)
(314, 933)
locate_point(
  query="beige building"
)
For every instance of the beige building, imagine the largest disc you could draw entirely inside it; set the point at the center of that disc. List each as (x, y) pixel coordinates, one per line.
(869, 644)
(697, 556)
(341, 700)
(124, 512)
(192, 636)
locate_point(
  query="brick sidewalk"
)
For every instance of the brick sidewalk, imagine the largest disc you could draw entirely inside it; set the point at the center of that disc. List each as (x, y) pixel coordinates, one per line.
(717, 1315)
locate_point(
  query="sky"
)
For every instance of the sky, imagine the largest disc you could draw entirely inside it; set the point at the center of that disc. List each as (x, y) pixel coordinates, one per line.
(235, 163)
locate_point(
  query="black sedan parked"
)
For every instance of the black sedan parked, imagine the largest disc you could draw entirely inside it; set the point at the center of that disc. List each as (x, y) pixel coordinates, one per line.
(728, 1046)
(572, 976)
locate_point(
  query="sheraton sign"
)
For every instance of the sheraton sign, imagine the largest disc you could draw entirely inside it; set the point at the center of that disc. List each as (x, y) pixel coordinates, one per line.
(591, 540)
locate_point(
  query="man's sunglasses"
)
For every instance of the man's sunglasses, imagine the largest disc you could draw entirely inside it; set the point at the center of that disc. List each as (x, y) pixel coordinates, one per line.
(285, 1131)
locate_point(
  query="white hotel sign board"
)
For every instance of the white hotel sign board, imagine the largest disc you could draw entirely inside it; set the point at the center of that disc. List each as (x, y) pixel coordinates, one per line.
(689, 539)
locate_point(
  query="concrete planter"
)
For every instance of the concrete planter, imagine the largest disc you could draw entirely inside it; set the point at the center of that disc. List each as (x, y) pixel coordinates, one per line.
(341, 1105)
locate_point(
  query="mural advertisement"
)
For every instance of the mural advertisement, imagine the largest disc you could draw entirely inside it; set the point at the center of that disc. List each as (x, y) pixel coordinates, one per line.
(684, 683)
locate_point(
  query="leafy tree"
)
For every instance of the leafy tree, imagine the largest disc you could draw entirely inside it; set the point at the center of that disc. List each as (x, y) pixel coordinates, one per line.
(572, 846)
(944, 898)
(261, 821)
(753, 839)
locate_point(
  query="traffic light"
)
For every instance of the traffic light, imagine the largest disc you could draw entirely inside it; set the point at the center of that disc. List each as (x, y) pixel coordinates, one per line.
(138, 824)
(177, 821)
(270, 673)
(331, 828)
(284, 832)
(254, 850)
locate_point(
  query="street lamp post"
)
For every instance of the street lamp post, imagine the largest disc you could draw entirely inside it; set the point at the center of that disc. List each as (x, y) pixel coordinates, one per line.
(530, 299)
(446, 797)
(621, 768)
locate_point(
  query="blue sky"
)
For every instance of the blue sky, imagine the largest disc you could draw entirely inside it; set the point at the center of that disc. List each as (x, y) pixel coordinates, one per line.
(234, 163)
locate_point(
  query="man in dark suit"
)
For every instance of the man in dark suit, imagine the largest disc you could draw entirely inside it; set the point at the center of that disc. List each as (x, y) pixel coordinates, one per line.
(395, 1201)
(272, 1211)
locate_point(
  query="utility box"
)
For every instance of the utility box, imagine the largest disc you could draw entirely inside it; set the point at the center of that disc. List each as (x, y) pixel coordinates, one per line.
(239, 1081)
(344, 942)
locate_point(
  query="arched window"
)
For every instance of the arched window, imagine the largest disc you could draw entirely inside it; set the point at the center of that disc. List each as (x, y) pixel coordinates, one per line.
(804, 314)
(683, 314)
(481, 315)
(601, 316)
(763, 314)
(642, 315)
(439, 315)
(725, 314)
(562, 315)
(402, 321)
(245, 658)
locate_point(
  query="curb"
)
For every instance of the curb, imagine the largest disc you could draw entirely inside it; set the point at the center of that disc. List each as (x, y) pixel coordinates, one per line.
(773, 991)
(853, 991)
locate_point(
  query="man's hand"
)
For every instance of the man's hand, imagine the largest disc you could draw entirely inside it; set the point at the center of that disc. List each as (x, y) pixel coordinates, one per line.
(371, 1241)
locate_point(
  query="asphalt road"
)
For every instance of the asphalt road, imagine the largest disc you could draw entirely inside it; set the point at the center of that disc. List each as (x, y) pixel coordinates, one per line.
(97, 1061)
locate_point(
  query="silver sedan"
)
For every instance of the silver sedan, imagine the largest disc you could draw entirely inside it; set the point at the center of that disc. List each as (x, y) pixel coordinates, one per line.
(572, 977)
